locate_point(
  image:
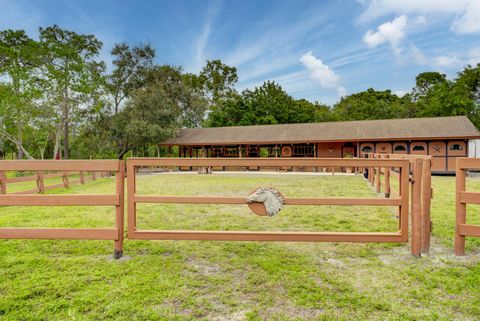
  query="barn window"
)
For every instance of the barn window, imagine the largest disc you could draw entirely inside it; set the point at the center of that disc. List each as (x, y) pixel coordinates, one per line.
(418, 148)
(367, 149)
(399, 148)
(456, 147)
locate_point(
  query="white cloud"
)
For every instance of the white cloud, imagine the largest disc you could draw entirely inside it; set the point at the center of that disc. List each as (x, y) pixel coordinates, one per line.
(465, 14)
(322, 73)
(400, 93)
(390, 32)
(448, 60)
(474, 56)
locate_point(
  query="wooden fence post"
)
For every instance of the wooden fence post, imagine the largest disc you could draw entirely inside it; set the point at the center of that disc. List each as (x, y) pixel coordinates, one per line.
(65, 179)
(94, 177)
(387, 178)
(119, 209)
(82, 177)
(378, 180)
(426, 203)
(461, 211)
(40, 182)
(416, 206)
(3, 182)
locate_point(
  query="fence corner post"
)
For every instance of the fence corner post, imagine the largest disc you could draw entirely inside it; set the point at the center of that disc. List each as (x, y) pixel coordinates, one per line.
(416, 207)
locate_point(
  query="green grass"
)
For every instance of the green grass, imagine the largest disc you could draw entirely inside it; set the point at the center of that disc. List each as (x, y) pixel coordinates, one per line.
(191, 280)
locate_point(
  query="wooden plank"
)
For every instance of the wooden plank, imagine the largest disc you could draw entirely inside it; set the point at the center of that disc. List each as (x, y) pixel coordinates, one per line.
(255, 162)
(267, 236)
(119, 210)
(460, 210)
(30, 191)
(403, 211)
(469, 197)
(49, 187)
(469, 230)
(288, 201)
(59, 200)
(21, 179)
(416, 203)
(59, 233)
(131, 206)
(467, 163)
(426, 204)
(59, 165)
(52, 175)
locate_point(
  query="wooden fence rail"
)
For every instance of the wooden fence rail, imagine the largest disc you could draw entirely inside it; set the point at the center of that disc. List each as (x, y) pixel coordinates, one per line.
(31, 198)
(421, 193)
(40, 178)
(463, 197)
(401, 201)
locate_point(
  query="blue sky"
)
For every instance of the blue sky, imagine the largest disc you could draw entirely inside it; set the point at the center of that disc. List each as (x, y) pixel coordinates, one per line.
(317, 50)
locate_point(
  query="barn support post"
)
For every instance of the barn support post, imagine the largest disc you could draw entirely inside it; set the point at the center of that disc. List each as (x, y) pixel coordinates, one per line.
(461, 211)
(426, 203)
(119, 210)
(416, 206)
(40, 182)
(3, 182)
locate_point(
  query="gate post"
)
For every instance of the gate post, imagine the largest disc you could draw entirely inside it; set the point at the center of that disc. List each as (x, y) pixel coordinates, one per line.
(119, 210)
(416, 208)
(461, 210)
(426, 203)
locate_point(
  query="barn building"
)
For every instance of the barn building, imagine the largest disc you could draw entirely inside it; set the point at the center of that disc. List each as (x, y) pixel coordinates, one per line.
(444, 138)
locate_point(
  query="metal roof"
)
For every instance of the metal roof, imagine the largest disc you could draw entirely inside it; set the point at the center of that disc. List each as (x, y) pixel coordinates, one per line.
(455, 127)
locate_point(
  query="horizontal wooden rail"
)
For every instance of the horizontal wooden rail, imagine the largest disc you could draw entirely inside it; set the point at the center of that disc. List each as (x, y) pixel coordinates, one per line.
(268, 236)
(59, 233)
(59, 200)
(288, 201)
(467, 163)
(260, 162)
(56, 165)
(469, 230)
(469, 197)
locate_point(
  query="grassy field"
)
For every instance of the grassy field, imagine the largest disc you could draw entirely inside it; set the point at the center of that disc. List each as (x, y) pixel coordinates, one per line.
(191, 280)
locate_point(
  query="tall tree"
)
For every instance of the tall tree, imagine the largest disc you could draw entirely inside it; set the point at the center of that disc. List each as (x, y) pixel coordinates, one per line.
(157, 110)
(19, 61)
(72, 71)
(130, 64)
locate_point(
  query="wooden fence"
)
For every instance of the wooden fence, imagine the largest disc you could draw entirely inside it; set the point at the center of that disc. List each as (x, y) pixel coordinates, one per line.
(33, 199)
(40, 178)
(401, 201)
(421, 193)
(462, 229)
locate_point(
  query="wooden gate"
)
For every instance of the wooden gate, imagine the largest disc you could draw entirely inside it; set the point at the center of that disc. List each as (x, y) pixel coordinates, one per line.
(117, 199)
(462, 229)
(402, 201)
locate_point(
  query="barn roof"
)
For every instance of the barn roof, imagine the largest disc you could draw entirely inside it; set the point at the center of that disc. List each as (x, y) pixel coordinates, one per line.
(365, 130)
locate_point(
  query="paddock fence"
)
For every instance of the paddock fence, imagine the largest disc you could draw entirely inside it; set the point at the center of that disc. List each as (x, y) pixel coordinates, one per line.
(32, 198)
(384, 180)
(464, 197)
(401, 201)
(41, 179)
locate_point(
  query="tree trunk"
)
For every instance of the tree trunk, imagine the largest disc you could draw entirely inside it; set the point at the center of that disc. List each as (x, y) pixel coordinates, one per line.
(20, 141)
(65, 140)
(58, 136)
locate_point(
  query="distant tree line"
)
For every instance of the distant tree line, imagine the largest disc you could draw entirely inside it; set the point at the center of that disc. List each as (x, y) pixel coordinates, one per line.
(57, 99)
